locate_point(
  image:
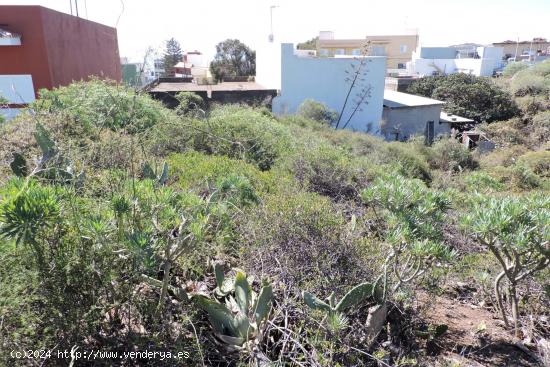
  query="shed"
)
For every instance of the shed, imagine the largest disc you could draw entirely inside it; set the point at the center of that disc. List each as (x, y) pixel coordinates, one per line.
(406, 115)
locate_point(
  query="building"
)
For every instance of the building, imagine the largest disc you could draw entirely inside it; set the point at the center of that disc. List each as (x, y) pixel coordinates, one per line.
(513, 49)
(448, 60)
(396, 48)
(193, 65)
(43, 48)
(406, 115)
(249, 93)
(326, 80)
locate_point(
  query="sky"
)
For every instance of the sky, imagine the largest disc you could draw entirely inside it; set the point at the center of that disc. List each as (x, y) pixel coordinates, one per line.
(200, 25)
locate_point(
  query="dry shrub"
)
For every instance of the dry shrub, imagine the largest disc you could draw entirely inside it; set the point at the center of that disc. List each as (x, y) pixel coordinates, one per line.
(299, 240)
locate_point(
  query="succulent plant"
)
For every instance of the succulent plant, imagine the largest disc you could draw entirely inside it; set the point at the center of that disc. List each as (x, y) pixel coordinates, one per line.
(148, 172)
(353, 298)
(238, 321)
(52, 165)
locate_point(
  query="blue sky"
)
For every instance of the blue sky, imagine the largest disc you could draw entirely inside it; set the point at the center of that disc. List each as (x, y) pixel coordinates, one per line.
(201, 24)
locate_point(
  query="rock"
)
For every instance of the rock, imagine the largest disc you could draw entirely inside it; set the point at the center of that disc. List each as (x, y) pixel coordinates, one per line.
(376, 320)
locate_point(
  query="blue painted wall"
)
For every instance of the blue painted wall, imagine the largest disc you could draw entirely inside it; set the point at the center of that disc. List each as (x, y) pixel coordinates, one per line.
(438, 52)
(324, 80)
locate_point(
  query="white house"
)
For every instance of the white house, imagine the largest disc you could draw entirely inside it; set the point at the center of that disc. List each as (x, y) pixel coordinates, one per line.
(328, 80)
(446, 60)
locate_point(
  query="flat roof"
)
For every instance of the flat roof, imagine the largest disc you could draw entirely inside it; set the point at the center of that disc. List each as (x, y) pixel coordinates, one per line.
(395, 99)
(221, 87)
(450, 118)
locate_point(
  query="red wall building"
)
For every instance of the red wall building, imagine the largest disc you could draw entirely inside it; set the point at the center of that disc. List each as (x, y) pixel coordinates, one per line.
(55, 48)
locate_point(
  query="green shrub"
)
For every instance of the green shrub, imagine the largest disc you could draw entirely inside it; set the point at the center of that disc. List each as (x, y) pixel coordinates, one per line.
(512, 68)
(532, 81)
(329, 171)
(234, 131)
(450, 155)
(189, 102)
(198, 171)
(98, 104)
(474, 97)
(538, 162)
(317, 111)
(524, 178)
(482, 182)
(410, 162)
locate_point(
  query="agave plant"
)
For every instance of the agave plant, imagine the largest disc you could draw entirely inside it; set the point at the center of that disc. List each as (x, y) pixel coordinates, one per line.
(52, 165)
(239, 320)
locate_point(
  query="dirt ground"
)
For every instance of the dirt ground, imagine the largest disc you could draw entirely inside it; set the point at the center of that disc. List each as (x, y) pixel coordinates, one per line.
(475, 337)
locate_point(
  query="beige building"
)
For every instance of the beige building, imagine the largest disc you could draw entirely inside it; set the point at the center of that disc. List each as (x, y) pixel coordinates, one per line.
(538, 46)
(397, 48)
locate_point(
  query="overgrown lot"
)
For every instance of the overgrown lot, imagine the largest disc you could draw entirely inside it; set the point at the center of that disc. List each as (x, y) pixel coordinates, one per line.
(239, 238)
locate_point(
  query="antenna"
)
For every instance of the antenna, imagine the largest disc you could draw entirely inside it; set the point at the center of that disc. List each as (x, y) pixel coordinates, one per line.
(71, 5)
(76, 6)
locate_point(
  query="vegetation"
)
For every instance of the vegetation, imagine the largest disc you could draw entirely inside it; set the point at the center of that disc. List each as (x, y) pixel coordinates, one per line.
(308, 45)
(473, 97)
(317, 111)
(233, 58)
(237, 237)
(172, 55)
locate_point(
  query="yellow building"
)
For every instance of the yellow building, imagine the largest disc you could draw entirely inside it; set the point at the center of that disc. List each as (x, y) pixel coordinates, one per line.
(397, 48)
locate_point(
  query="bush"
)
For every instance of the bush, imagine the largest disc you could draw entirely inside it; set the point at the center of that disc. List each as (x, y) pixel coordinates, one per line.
(299, 239)
(99, 104)
(538, 162)
(524, 178)
(482, 182)
(450, 155)
(189, 102)
(198, 172)
(512, 68)
(317, 111)
(409, 161)
(473, 97)
(532, 81)
(329, 171)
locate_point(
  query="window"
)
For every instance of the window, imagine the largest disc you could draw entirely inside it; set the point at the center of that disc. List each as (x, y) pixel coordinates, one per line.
(401, 66)
(378, 51)
(403, 49)
(356, 52)
(340, 51)
(323, 52)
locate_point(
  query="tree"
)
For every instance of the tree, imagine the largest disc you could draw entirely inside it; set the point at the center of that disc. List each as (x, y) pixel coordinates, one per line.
(517, 232)
(172, 55)
(473, 97)
(233, 58)
(308, 45)
(317, 111)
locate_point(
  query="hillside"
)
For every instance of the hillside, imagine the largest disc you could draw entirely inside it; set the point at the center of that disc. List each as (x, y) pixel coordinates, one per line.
(234, 237)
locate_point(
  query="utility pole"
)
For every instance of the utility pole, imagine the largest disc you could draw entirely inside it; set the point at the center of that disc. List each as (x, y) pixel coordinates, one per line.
(71, 6)
(76, 6)
(271, 37)
(517, 46)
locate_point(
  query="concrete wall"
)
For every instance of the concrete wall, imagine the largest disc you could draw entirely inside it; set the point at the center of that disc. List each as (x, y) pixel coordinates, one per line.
(324, 80)
(409, 121)
(268, 65)
(430, 60)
